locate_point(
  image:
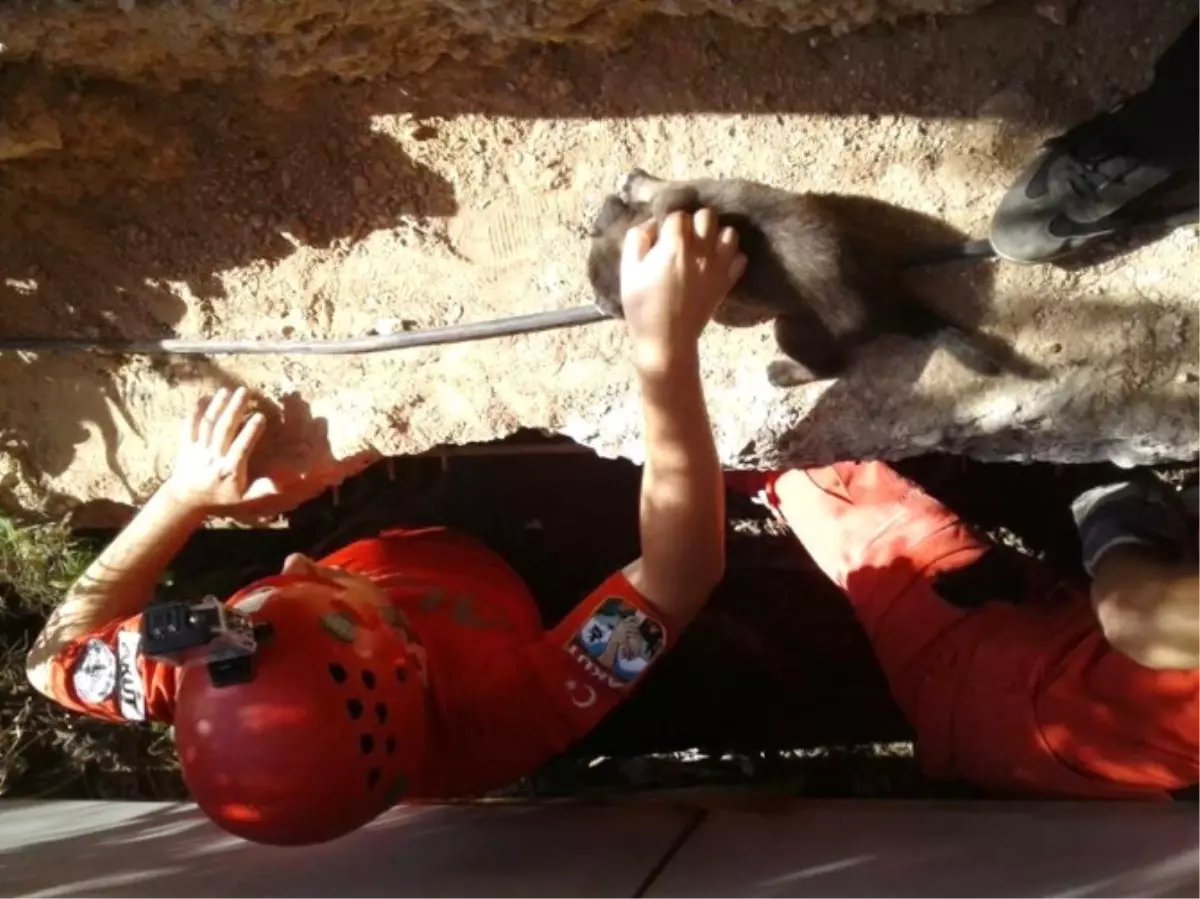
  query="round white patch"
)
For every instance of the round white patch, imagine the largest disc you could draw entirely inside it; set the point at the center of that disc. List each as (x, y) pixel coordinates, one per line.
(95, 675)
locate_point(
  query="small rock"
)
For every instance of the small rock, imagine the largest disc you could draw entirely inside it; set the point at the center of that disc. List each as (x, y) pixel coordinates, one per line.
(360, 185)
(37, 135)
(126, 6)
(297, 229)
(285, 178)
(1013, 102)
(1057, 11)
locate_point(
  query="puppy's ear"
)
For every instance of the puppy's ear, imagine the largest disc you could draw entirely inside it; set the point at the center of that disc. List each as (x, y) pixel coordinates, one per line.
(612, 212)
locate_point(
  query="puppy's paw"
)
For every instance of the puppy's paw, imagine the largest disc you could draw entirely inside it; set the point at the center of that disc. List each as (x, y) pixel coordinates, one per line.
(609, 304)
(785, 373)
(628, 185)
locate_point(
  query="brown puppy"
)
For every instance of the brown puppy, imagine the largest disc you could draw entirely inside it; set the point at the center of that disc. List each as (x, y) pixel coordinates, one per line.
(829, 283)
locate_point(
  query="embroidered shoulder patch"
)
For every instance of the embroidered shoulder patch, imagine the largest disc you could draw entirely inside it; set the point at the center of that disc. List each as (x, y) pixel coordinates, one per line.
(618, 639)
(95, 676)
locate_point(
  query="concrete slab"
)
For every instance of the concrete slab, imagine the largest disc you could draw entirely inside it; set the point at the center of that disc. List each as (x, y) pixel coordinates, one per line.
(153, 849)
(941, 849)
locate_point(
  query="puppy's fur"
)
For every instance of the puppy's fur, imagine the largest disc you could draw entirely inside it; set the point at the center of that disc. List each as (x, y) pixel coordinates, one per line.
(829, 279)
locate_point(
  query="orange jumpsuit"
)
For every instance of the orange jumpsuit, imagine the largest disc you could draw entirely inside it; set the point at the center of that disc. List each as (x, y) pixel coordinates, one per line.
(1025, 698)
(506, 695)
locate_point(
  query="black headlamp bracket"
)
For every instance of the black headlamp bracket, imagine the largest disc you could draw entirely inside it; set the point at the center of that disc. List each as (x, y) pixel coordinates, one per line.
(206, 632)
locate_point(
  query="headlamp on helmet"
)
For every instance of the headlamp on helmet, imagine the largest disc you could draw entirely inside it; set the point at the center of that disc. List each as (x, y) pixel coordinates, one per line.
(207, 632)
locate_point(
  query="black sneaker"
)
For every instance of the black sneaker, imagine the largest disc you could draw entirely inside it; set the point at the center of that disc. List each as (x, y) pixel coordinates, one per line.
(1073, 192)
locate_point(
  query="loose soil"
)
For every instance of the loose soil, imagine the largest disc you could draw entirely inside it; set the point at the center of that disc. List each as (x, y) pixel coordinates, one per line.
(308, 208)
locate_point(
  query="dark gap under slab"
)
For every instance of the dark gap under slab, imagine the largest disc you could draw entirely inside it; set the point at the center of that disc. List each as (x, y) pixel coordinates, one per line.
(776, 662)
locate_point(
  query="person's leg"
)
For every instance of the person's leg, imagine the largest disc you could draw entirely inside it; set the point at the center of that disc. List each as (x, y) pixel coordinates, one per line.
(999, 666)
(884, 542)
(1082, 183)
(952, 657)
(1175, 80)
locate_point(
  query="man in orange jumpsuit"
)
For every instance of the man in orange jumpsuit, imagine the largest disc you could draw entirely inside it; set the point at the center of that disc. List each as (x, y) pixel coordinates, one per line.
(413, 664)
(1011, 678)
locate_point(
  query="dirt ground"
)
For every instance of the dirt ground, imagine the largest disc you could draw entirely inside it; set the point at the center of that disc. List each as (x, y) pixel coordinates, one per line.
(296, 209)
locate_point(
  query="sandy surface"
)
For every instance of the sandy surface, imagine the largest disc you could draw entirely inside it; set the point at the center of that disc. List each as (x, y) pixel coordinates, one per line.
(306, 209)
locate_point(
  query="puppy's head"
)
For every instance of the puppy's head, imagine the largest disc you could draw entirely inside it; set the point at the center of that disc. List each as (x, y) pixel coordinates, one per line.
(608, 232)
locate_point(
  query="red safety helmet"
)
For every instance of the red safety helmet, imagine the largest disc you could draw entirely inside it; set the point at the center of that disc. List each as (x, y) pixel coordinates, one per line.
(325, 735)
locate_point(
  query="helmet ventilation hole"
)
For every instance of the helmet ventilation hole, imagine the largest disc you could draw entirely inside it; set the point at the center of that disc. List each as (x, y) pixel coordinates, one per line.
(373, 777)
(337, 672)
(367, 744)
(368, 679)
(355, 708)
(390, 745)
(339, 626)
(381, 712)
(401, 675)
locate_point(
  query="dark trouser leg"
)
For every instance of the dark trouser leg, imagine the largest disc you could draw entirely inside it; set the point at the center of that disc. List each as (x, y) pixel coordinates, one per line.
(1163, 122)
(1176, 68)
